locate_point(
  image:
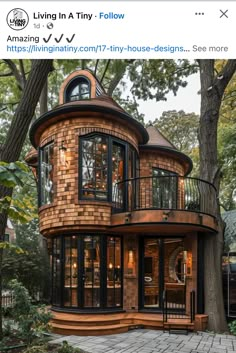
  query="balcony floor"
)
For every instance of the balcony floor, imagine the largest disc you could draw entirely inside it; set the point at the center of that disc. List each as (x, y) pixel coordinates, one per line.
(163, 221)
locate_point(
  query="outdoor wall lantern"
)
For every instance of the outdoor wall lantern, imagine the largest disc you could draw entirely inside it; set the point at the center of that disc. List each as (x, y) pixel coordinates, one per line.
(189, 264)
(62, 153)
(188, 259)
(130, 256)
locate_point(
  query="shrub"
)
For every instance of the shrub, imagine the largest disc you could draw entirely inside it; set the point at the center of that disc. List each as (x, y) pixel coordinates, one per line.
(66, 348)
(232, 327)
(32, 320)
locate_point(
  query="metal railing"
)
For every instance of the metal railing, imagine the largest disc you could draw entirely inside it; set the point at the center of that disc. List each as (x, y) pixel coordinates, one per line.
(173, 310)
(165, 192)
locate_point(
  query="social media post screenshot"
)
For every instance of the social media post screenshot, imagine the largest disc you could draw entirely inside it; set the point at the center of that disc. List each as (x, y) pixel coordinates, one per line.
(117, 176)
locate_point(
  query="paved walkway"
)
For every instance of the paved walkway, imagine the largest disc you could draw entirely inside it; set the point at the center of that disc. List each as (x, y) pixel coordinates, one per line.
(149, 341)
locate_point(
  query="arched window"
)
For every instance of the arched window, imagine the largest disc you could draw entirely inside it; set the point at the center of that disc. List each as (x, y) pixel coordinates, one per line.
(78, 89)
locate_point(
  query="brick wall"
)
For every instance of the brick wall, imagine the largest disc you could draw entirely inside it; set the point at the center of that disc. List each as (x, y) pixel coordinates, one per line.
(67, 212)
(156, 159)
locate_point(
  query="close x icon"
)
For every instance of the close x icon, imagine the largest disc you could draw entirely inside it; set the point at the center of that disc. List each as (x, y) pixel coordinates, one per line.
(224, 13)
(69, 40)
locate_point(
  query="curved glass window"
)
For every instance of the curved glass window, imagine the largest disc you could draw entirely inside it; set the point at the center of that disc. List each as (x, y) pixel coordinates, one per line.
(113, 272)
(95, 167)
(46, 174)
(78, 89)
(103, 164)
(56, 272)
(87, 271)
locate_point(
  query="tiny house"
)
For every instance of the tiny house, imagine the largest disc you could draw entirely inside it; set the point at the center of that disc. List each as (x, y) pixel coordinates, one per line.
(124, 222)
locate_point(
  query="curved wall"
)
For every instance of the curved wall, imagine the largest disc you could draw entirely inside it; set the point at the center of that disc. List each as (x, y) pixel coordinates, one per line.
(67, 212)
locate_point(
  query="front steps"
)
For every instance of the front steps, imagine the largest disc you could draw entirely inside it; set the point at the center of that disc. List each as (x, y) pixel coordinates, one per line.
(107, 324)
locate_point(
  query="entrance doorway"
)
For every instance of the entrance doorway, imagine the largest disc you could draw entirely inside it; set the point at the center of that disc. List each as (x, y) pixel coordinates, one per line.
(163, 268)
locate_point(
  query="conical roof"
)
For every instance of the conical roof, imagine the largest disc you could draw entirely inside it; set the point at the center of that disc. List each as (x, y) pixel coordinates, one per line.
(158, 142)
(157, 139)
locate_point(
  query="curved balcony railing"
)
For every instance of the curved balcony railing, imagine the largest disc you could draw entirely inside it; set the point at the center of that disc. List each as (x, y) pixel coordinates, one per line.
(165, 192)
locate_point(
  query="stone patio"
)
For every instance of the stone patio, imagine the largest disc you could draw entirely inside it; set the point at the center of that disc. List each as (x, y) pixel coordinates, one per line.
(149, 341)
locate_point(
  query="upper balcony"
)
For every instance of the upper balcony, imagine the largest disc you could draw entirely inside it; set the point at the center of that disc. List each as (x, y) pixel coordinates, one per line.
(176, 204)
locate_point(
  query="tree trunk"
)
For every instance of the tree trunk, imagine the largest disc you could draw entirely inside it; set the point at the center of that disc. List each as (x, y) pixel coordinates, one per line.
(18, 130)
(212, 90)
(43, 100)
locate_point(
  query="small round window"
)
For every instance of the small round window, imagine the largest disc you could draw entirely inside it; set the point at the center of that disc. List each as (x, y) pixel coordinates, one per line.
(78, 89)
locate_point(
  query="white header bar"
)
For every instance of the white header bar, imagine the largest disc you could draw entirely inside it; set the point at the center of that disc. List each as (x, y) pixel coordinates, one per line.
(118, 29)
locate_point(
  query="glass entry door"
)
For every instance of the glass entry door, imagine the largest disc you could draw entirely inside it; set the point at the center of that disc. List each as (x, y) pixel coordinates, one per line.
(163, 268)
(91, 272)
(175, 273)
(152, 273)
(87, 272)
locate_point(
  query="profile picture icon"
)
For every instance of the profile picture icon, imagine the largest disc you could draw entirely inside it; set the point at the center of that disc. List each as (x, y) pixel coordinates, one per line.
(17, 19)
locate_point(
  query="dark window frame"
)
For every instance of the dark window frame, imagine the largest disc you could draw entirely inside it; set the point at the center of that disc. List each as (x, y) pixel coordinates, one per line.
(41, 149)
(111, 140)
(167, 173)
(76, 81)
(60, 297)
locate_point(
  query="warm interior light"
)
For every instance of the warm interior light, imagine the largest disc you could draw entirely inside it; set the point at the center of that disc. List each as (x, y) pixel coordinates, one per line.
(130, 256)
(74, 265)
(110, 265)
(185, 255)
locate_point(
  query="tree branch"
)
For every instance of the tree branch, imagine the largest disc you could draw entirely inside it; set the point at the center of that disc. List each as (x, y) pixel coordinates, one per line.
(22, 70)
(8, 74)
(222, 80)
(105, 71)
(12, 66)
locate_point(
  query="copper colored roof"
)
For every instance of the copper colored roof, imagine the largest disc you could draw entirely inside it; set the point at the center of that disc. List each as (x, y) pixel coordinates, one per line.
(159, 142)
(32, 157)
(103, 100)
(157, 139)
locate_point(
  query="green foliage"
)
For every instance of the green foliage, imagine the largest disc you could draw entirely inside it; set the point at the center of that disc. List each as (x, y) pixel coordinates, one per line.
(16, 175)
(45, 348)
(31, 320)
(34, 257)
(182, 131)
(154, 79)
(9, 246)
(227, 152)
(7, 329)
(66, 348)
(11, 174)
(232, 327)
(36, 349)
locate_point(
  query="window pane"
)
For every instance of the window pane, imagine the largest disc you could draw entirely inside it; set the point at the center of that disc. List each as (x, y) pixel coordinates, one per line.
(151, 273)
(56, 271)
(117, 173)
(78, 90)
(164, 189)
(113, 272)
(46, 169)
(71, 272)
(94, 167)
(92, 271)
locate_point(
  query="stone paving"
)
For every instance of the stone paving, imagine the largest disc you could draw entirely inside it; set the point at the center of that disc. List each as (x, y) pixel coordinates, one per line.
(149, 341)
